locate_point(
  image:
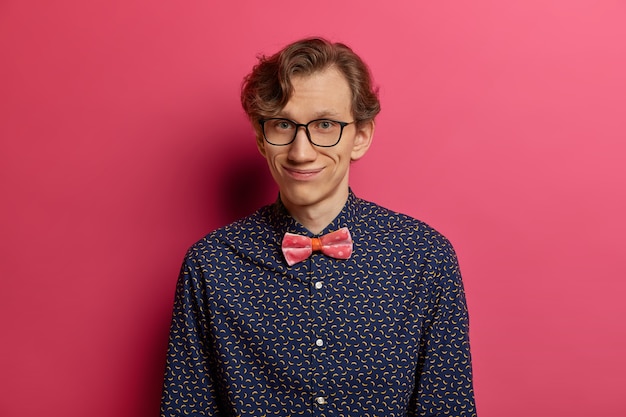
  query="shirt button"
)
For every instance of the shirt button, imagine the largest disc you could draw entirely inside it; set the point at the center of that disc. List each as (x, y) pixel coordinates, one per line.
(320, 400)
(319, 342)
(319, 285)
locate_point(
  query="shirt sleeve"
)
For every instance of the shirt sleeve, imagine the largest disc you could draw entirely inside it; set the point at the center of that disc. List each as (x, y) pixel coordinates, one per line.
(188, 387)
(444, 374)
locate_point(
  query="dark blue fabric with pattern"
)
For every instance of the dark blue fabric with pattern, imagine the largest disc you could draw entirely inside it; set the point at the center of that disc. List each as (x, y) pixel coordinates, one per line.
(384, 333)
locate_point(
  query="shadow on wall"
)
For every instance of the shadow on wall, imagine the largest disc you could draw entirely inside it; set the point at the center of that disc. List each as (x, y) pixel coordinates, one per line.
(246, 183)
(235, 181)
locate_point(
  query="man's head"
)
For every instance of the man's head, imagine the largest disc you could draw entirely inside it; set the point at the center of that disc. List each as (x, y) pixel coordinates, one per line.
(313, 107)
(268, 87)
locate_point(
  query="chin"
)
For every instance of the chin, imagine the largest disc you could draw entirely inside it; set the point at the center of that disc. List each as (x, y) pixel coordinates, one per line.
(299, 199)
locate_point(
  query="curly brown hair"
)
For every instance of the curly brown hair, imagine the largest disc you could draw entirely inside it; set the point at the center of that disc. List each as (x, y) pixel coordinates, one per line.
(267, 89)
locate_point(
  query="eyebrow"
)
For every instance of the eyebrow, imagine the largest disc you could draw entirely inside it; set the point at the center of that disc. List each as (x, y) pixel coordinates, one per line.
(326, 113)
(322, 114)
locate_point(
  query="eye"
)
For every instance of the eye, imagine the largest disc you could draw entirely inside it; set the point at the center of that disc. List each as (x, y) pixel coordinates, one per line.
(325, 125)
(282, 124)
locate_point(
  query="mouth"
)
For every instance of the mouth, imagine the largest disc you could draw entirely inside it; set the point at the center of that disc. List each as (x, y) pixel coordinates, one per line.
(302, 174)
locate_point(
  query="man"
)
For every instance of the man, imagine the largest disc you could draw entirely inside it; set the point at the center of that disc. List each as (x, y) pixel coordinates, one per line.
(321, 303)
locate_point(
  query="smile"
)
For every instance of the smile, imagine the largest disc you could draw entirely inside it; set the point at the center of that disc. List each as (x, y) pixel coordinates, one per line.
(302, 174)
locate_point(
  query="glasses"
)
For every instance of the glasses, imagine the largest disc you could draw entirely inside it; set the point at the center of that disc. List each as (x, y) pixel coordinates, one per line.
(320, 132)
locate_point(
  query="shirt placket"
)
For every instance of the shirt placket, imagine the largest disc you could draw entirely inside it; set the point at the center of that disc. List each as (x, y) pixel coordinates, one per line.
(318, 284)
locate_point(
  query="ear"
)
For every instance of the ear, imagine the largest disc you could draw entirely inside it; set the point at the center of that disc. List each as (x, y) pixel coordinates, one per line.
(260, 144)
(362, 140)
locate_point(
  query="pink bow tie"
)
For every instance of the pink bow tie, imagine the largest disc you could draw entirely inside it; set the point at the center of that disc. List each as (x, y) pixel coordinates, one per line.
(337, 244)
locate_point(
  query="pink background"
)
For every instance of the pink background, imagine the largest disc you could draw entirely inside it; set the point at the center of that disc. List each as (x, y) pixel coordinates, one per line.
(122, 143)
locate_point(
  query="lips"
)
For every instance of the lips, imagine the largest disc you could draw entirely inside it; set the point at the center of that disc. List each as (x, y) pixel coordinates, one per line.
(302, 174)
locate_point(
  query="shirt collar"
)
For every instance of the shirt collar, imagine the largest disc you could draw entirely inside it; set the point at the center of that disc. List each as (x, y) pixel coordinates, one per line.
(282, 221)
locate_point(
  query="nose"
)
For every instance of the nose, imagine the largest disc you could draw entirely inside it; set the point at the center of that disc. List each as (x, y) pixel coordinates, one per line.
(301, 149)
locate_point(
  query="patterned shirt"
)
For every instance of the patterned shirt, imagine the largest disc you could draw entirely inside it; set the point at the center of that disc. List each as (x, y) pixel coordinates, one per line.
(384, 333)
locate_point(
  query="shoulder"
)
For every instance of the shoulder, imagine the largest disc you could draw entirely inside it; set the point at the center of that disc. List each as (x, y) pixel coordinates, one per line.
(237, 243)
(392, 225)
(409, 246)
(242, 229)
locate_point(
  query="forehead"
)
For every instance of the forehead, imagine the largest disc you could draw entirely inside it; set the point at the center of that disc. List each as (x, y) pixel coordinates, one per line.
(324, 93)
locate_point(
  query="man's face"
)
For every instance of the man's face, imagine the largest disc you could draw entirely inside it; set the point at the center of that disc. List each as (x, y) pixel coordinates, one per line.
(308, 176)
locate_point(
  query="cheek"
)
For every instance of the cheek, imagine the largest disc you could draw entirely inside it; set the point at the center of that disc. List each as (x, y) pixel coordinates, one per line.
(343, 154)
(273, 158)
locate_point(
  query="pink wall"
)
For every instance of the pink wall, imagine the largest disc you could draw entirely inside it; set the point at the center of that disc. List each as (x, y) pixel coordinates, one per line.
(122, 142)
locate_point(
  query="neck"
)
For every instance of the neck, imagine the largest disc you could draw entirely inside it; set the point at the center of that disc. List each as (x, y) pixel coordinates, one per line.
(317, 217)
